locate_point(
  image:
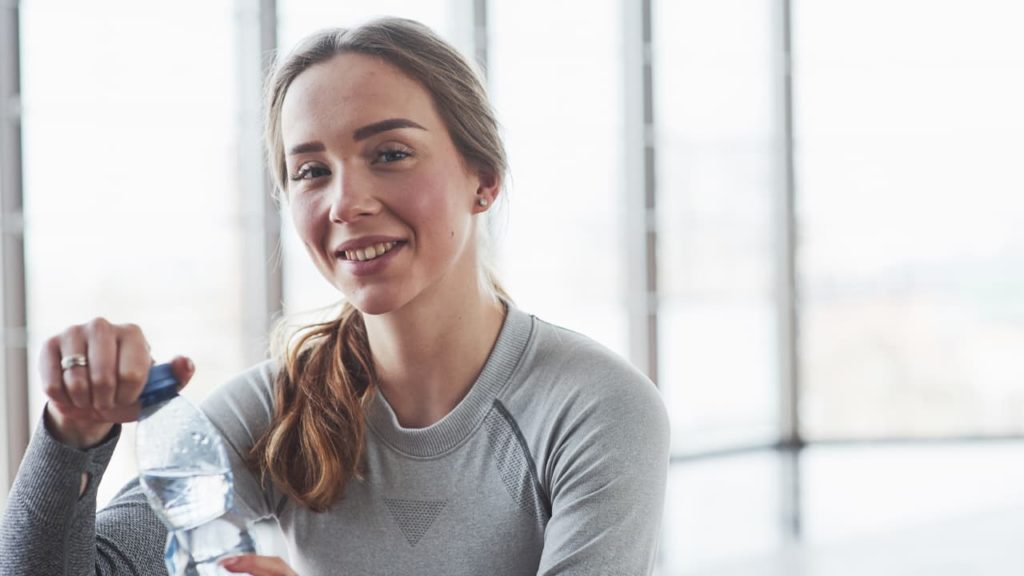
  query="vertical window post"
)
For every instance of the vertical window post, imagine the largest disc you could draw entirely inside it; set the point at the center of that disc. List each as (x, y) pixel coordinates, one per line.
(479, 26)
(638, 190)
(14, 436)
(260, 219)
(790, 439)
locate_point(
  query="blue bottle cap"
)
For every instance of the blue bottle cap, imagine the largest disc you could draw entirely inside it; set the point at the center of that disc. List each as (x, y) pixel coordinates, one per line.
(160, 385)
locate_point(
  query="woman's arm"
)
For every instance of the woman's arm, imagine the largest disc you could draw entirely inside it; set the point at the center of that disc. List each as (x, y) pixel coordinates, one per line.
(50, 526)
(607, 486)
(92, 375)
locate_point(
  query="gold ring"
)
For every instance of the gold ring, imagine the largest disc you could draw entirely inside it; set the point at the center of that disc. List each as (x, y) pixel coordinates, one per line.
(68, 362)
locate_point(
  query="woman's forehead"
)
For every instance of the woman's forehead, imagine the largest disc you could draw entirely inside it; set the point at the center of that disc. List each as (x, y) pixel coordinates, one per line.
(353, 88)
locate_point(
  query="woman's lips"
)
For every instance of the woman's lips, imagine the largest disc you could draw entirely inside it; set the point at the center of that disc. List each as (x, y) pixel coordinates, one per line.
(370, 266)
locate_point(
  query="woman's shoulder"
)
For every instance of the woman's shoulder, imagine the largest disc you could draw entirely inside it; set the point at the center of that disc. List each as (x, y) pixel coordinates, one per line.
(565, 365)
(571, 391)
(572, 353)
(244, 401)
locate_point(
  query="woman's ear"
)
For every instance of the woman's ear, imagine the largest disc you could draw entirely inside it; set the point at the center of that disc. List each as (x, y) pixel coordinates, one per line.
(487, 192)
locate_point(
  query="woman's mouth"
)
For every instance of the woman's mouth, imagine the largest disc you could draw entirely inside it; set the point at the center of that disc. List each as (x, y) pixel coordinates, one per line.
(369, 253)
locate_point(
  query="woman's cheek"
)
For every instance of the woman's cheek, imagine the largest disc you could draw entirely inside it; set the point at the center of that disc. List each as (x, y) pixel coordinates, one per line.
(304, 218)
(430, 202)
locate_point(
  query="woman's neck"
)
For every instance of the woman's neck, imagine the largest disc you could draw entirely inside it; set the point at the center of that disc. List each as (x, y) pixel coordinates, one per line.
(428, 356)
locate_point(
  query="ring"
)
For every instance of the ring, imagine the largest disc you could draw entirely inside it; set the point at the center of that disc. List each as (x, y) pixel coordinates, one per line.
(68, 362)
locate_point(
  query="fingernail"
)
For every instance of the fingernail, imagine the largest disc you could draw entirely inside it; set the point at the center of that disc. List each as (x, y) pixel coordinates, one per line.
(191, 365)
(229, 562)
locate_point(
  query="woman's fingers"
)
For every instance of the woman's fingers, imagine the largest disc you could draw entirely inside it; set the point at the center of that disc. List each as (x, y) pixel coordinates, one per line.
(133, 364)
(183, 369)
(50, 370)
(76, 377)
(258, 565)
(102, 369)
(93, 375)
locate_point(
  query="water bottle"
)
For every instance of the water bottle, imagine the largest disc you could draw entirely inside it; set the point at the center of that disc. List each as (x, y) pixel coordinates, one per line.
(186, 476)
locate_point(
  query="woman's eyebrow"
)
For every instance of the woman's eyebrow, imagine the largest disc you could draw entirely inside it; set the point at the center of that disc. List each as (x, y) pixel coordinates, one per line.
(305, 147)
(360, 134)
(383, 126)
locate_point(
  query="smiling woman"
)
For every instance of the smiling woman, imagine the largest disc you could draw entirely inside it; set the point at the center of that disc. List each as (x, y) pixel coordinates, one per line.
(432, 426)
(396, 181)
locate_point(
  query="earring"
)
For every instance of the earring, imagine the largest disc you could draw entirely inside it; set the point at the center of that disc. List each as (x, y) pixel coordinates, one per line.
(481, 201)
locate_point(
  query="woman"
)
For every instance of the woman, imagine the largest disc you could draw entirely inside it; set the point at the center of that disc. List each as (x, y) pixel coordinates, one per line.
(433, 428)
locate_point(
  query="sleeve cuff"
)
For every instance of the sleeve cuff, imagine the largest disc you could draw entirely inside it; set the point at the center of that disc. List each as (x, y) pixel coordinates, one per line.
(51, 471)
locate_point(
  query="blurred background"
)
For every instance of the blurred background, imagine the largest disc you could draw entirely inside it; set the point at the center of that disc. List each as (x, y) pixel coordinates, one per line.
(803, 219)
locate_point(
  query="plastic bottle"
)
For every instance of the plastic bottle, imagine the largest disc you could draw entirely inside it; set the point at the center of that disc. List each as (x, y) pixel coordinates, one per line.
(186, 475)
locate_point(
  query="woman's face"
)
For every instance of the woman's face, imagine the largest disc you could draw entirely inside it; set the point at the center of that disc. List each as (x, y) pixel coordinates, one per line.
(379, 195)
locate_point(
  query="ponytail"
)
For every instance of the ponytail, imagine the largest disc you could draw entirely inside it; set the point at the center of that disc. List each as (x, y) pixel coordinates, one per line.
(314, 445)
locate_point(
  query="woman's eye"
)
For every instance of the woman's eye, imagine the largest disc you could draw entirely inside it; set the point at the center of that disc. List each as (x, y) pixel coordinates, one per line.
(308, 172)
(394, 155)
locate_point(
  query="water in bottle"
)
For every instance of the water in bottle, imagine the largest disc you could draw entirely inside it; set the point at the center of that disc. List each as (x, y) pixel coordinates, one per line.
(186, 476)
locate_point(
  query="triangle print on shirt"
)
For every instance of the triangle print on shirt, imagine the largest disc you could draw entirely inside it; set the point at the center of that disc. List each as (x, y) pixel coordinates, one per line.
(414, 517)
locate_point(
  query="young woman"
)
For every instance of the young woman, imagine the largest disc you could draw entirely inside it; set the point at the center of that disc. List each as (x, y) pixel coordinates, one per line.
(433, 427)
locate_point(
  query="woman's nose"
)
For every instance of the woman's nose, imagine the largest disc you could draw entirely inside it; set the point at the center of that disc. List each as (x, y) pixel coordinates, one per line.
(352, 197)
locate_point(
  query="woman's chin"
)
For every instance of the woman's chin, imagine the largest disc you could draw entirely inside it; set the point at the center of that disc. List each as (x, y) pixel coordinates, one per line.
(375, 304)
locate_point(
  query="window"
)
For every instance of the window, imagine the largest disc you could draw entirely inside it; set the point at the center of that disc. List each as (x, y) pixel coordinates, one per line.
(720, 510)
(131, 211)
(908, 148)
(718, 152)
(557, 100)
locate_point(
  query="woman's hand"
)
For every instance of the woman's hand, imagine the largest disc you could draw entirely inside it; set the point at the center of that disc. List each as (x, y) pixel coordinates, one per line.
(258, 565)
(104, 369)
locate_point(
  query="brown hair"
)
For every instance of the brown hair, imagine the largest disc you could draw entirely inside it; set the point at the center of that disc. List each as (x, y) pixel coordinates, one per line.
(314, 444)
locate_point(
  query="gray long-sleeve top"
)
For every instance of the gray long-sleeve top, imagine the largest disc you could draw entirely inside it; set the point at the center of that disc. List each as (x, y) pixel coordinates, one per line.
(554, 463)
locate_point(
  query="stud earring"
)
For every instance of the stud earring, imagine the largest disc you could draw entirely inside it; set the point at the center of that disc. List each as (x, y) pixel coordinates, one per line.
(481, 201)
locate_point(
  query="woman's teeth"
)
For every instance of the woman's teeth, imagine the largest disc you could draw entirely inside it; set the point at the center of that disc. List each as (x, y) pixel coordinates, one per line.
(370, 252)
